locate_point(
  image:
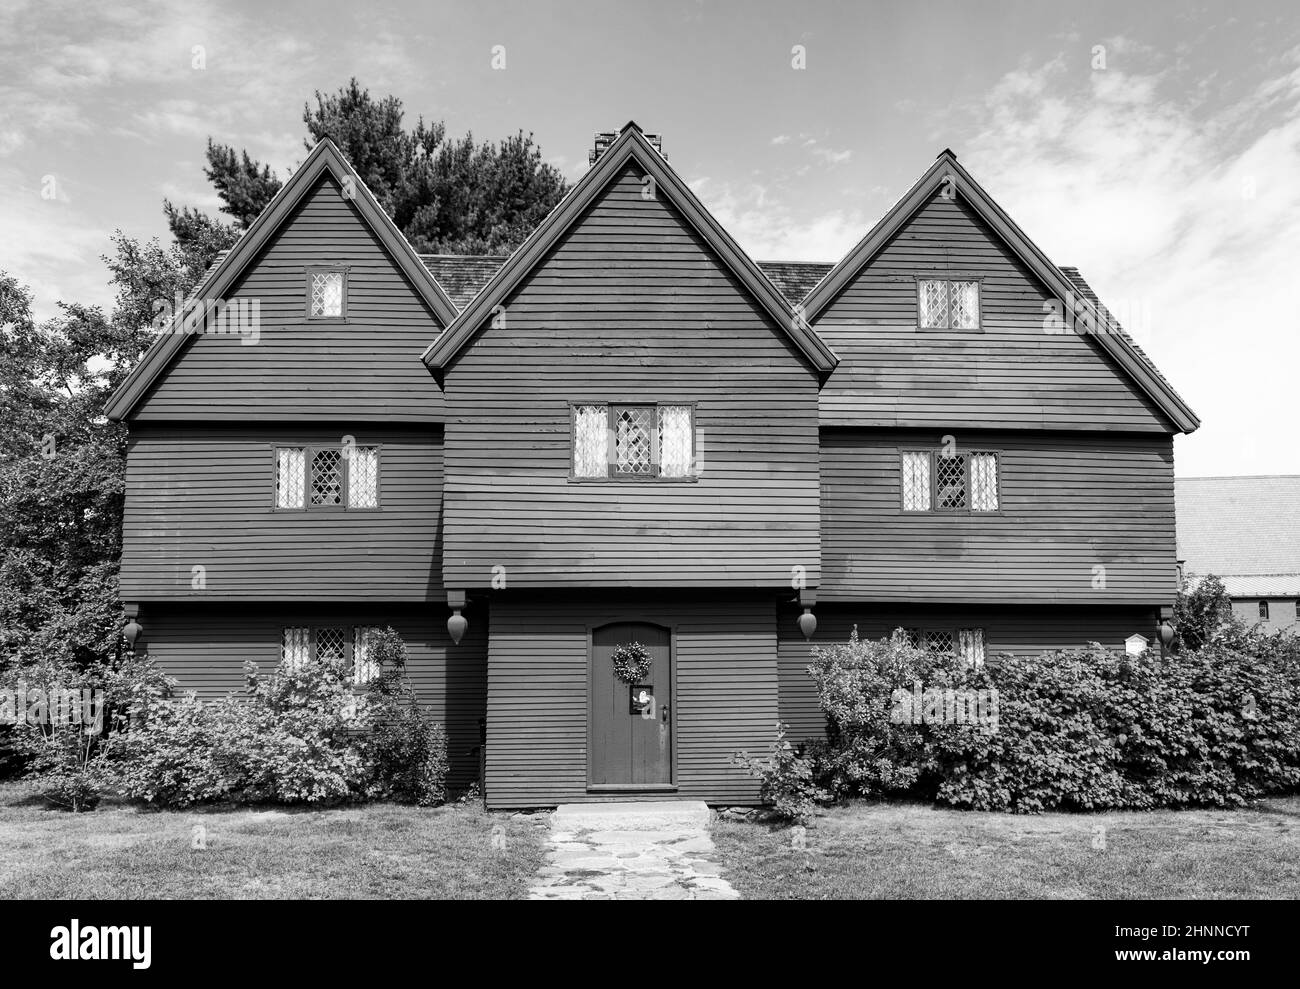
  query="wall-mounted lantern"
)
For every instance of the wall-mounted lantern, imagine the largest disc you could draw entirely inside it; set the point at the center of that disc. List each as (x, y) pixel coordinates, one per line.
(456, 626)
(807, 623)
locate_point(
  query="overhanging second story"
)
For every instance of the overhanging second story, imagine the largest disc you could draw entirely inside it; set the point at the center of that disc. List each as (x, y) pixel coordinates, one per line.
(629, 401)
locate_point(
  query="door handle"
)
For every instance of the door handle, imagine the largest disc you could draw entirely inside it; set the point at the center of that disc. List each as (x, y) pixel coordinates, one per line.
(664, 709)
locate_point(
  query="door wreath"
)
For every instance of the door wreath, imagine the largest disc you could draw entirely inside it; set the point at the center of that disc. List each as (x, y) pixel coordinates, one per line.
(631, 662)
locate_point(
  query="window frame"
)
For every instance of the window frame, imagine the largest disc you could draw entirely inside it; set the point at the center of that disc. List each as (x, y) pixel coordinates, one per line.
(653, 477)
(1263, 610)
(317, 269)
(948, 278)
(309, 450)
(918, 637)
(934, 508)
(349, 646)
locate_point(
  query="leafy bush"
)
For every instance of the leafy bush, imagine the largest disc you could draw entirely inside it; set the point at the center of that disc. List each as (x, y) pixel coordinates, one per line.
(299, 735)
(1075, 729)
(406, 752)
(786, 779)
(868, 753)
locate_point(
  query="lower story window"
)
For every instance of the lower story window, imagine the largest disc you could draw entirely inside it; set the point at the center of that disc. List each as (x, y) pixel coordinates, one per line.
(968, 643)
(347, 649)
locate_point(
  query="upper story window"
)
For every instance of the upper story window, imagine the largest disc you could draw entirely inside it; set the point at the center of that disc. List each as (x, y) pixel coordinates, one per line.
(327, 293)
(1263, 610)
(327, 477)
(948, 304)
(934, 481)
(627, 442)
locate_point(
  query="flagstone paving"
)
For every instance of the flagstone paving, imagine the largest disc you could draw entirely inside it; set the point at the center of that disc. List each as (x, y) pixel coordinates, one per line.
(660, 862)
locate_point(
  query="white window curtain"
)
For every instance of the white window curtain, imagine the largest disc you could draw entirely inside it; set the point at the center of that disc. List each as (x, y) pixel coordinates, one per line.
(934, 303)
(984, 482)
(289, 463)
(916, 482)
(295, 647)
(971, 646)
(675, 440)
(965, 305)
(364, 669)
(363, 477)
(590, 439)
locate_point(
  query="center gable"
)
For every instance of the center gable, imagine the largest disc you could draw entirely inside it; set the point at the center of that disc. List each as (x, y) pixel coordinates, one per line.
(631, 306)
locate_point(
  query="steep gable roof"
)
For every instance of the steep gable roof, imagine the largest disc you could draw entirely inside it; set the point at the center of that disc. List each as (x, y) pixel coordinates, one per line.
(630, 146)
(946, 169)
(1243, 530)
(324, 159)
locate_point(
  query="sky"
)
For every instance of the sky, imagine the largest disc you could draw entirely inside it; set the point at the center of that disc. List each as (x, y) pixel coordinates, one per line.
(1155, 146)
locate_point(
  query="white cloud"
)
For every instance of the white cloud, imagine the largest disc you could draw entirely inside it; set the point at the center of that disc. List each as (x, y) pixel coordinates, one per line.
(1151, 197)
(781, 139)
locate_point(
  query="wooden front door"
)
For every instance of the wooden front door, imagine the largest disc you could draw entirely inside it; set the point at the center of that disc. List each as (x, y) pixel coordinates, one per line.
(631, 724)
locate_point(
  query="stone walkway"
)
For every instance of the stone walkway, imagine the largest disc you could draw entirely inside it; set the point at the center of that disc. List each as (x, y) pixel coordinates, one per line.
(656, 851)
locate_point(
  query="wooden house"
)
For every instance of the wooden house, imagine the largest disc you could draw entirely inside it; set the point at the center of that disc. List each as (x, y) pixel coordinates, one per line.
(629, 431)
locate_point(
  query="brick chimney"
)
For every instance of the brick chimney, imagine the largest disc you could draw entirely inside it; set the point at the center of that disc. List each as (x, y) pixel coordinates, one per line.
(605, 138)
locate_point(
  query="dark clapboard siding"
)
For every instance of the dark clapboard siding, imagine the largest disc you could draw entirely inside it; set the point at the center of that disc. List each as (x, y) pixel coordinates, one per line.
(631, 306)
(726, 690)
(205, 646)
(1027, 630)
(206, 496)
(1012, 374)
(1069, 502)
(367, 368)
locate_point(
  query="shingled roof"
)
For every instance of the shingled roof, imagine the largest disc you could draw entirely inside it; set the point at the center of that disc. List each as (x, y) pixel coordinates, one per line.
(1243, 530)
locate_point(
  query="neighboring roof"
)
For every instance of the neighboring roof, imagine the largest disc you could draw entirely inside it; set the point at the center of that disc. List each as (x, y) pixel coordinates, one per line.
(795, 279)
(946, 169)
(323, 159)
(462, 276)
(1243, 530)
(630, 146)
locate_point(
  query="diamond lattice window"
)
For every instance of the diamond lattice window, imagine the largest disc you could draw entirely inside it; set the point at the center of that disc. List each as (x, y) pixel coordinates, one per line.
(915, 637)
(364, 669)
(331, 645)
(950, 481)
(946, 305)
(970, 643)
(632, 452)
(290, 462)
(964, 305)
(295, 646)
(984, 482)
(590, 439)
(675, 440)
(934, 304)
(916, 482)
(363, 477)
(327, 477)
(326, 294)
(938, 641)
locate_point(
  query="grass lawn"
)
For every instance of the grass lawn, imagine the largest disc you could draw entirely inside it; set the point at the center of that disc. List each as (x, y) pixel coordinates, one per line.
(910, 851)
(377, 851)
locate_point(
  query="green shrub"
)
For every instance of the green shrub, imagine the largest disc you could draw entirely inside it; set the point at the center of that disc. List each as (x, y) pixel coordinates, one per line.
(868, 753)
(1075, 729)
(300, 735)
(786, 779)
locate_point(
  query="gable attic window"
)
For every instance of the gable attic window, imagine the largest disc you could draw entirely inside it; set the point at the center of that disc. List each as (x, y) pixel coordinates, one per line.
(633, 442)
(327, 293)
(948, 304)
(933, 481)
(338, 477)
